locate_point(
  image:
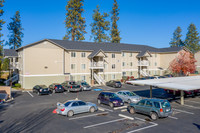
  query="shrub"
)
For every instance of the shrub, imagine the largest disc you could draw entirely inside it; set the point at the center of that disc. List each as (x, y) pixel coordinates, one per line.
(18, 85)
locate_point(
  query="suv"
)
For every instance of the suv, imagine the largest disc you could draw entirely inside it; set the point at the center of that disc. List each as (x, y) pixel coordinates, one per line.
(110, 99)
(71, 86)
(84, 85)
(113, 83)
(55, 87)
(155, 108)
(41, 89)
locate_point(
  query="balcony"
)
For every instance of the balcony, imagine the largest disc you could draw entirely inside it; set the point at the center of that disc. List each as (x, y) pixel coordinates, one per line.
(143, 63)
(96, 65)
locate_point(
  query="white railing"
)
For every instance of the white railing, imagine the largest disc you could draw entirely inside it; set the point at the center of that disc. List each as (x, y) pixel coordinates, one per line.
(143, 73)
(99, 79)
(13, 79)
(14, 65)
(96, 64)
(143, 63)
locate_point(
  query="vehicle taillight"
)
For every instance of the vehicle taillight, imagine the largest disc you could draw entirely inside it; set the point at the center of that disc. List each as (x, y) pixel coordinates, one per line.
(62, 109)
(56, 87)
(161, 110)
(71, 86)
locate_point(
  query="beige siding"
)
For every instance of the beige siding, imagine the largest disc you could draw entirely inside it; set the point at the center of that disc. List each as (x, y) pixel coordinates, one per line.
(166, 58)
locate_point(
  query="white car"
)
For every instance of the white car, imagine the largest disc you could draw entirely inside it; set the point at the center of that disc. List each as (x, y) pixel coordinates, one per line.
(128, 96)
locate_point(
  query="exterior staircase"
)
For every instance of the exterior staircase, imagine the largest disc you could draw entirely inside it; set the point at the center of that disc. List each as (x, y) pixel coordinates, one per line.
(15, 78)
(99, 79)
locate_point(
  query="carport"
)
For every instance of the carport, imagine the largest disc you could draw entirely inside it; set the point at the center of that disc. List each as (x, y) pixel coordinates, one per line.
(175, 83)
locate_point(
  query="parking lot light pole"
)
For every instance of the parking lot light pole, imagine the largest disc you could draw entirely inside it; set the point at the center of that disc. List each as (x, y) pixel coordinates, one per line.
(182, 97)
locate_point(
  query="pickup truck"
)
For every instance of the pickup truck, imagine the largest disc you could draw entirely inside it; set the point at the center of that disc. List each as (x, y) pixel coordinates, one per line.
(71, 86)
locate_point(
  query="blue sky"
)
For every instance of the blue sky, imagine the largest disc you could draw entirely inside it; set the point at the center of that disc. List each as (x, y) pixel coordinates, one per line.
(149, 22)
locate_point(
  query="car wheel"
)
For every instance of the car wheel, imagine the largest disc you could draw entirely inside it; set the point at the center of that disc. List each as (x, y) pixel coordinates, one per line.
(154, 116)
(132, 110)
(129, 101)
(111, 105)
(99, 101)
(92, 109)
(70, 113)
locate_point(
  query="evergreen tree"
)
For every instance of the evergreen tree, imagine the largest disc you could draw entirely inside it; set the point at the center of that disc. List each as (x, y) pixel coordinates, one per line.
(74, 22)
(114, 30)
(176, 40)
(1, 25)
(192, 39)
(99, 26)
(16, 34)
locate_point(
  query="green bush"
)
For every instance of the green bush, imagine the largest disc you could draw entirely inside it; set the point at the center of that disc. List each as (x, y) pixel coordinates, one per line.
(18, 85)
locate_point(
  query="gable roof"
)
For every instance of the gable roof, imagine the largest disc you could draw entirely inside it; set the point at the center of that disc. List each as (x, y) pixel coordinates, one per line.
(96, 52)
(141, 54)
(10, 53)
(105, 46)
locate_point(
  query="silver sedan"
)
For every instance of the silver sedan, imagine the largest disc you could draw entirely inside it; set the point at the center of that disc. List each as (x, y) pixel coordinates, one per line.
(128, 96)
(71, 107)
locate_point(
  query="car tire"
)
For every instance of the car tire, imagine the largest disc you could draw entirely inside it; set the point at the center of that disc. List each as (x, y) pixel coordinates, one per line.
(92, 109)
(128, 101)
(70, 113)
(132, 110)
(154, 116)
(99, 101)
(111, 104)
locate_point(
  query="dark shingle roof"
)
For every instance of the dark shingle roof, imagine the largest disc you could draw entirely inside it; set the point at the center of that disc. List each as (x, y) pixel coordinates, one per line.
(10, 52)
(141, 54)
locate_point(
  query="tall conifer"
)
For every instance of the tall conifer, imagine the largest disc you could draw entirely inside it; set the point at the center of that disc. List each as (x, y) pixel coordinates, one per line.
(74, 22)
(1, 25)
(99, 26)
(176, 40)
(114, 29)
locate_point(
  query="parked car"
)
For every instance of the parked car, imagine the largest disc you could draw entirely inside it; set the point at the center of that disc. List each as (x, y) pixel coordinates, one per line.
(3, 97)
(113, 83)
(155, 108)
(168, 75)
(71, 107)
(110, 99)
(71, 86)
(178, 92)
(197, 92)
(128, 96)
(56, 87)
(41, 89)
(84, 86)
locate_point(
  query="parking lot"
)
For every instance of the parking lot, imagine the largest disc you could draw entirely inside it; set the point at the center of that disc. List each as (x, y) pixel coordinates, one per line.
(32, 113)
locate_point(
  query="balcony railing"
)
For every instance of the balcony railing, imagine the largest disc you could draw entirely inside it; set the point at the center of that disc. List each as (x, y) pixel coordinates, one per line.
(97, 65)
(143, 63)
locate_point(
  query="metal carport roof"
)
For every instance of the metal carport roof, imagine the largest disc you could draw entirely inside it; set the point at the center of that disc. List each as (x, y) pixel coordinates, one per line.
(174, 83)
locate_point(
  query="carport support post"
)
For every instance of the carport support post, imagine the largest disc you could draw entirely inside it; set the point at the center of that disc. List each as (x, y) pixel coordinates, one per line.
(150, 91)
(182, 97)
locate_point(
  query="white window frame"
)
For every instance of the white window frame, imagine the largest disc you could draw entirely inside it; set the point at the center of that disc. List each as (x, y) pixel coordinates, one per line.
(73, 54)
(113, 55)
(73, 66)
(83, 54)
(83, 66)
(113, 66)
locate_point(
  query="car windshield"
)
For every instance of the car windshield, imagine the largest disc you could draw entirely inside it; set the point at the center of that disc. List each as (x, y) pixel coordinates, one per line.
(165, 104)
(84, 83)
(43, 86)
(113, 95)
(58, 86)
(67, 103)
(72, 83)
(130, 94)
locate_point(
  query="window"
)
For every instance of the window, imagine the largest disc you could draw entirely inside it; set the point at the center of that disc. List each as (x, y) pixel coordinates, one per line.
(83, 66)
(74, 104)
(73, 54)
(83, 78)
(131, 54)
(113, 76)
(155, 63)
(131, 73)
(131, 63)
(123, 54)
(113, 55)
(123, 63)
(72, 66)
(156, 104)
(81, 103)
(113, 66)
(123, 73)
(105, 66)
(83, 54)
(141, 103)
(149, 104)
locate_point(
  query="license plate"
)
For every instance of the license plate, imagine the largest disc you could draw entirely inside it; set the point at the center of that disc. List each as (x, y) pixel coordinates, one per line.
(121, 103)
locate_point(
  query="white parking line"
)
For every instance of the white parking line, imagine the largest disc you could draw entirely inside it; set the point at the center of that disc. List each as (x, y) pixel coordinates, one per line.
(183, 111)
(192, 101)
(173, 117)
(121, 115)
(123, 110)
(30, 93)
(191, 106)
(101, 108)
(103, 123)
(88, 116)
(122, 107)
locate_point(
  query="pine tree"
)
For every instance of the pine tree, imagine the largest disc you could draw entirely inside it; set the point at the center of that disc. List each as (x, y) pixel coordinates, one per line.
(114, 30)
(192, 39)
(1, 25)
(74, 22)
(16, 34)
(176, 40)
(99, 26)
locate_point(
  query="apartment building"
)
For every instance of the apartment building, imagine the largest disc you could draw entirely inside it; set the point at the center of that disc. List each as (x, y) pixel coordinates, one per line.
(54, 61)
